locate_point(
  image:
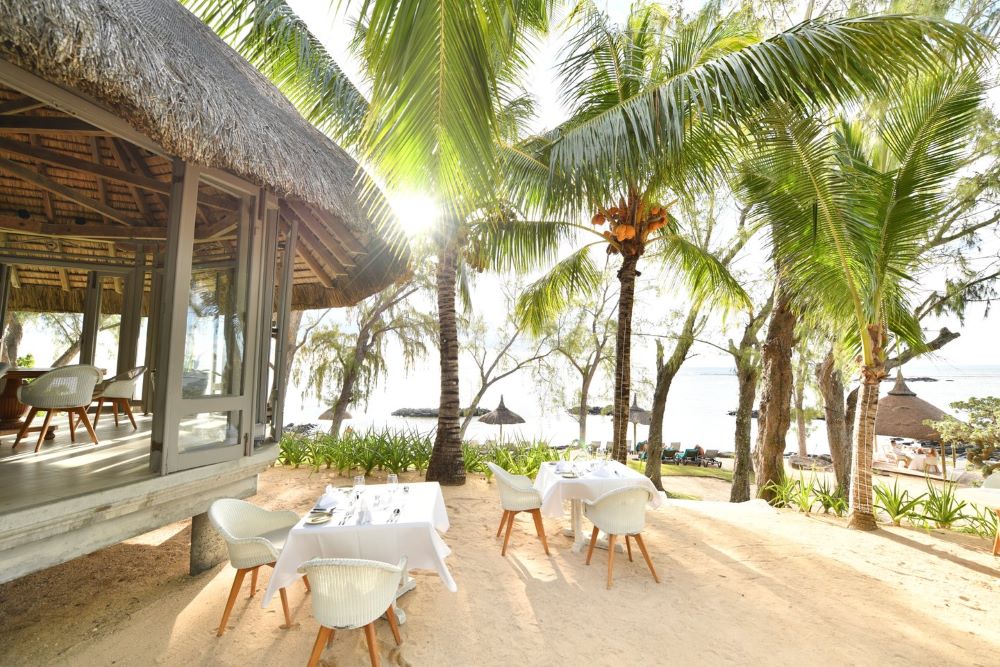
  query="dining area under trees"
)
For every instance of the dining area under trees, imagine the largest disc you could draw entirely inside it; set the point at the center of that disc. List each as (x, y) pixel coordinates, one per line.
(188, 188)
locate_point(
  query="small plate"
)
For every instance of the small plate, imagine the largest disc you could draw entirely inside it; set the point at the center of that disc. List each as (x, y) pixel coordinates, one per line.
(568, 475)
(318, 519)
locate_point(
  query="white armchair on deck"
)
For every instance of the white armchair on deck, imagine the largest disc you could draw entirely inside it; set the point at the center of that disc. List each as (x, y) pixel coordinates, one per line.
(118, 391)
(619, 512)
(518, 495)
(254, 536)
(68, 389)
(349, 594)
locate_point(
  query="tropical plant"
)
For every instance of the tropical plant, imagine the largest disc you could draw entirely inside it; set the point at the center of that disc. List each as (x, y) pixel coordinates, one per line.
(782, 492)
(802, 497)
(941, 506)
(980, 430)
(657, 110)
(852, 206)
(982, 521)
(897, 503)
(830, 497)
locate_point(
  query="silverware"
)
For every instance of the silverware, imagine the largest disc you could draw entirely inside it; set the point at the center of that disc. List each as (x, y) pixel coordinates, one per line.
(395, 516)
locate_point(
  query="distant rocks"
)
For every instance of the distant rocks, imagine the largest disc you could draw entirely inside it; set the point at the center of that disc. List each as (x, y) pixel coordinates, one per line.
(892, 378)
(755, 414)
(592, 410)
(432, 413)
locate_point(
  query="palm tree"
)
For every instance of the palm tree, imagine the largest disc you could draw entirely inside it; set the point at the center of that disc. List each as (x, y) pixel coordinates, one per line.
(430, 123)
(658, 111)
(853, 206)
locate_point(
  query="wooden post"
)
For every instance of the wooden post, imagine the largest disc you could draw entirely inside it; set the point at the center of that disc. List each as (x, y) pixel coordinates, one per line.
(91, 318)
(4, 296)
(128, 346)
(267, 320)
(284, 310)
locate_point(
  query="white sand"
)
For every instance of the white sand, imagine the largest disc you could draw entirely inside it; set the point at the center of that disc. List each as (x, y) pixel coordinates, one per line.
(745, 585)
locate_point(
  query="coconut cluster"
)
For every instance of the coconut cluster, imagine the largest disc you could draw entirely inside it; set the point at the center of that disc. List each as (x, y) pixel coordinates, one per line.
(624, 227)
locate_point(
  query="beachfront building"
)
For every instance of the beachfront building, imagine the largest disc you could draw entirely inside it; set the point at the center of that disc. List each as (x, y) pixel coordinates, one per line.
(148, 171)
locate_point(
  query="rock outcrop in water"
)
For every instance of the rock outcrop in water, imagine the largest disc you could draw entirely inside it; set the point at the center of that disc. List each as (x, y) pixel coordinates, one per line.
(432, 413)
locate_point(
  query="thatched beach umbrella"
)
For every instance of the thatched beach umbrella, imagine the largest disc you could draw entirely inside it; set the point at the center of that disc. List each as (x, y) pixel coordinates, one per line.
(637, 416)
(902, 414)
(502, 415)
(328, 415)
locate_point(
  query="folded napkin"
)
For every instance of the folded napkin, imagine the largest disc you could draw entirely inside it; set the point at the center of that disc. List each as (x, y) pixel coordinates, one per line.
(601, 471)
(328, 499)
(561, 467)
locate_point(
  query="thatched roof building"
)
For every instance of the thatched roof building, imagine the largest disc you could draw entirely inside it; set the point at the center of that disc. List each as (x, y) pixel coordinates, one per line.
(902, 414)
(76, 190)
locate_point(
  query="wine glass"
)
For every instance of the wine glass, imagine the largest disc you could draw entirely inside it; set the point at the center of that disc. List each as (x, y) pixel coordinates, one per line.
(359, 485)
(393, 482)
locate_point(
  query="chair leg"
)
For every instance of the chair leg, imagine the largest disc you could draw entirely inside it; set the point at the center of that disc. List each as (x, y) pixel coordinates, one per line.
(72, 433)
(645, 554)
(611, 557)
(322, 637)
(45, 428)
(390, 614)
(284, 608)
(97, 414)
(253, 581)
(628, 548)
(305, 580)
(540, 529)
(233, 592)
(27, 425)
(329, 642)
(506, 537)
(503, 522)
(372, 645)
(996, 540)
(86, 423)
(128, 411)
(114, 409)
(593, 541)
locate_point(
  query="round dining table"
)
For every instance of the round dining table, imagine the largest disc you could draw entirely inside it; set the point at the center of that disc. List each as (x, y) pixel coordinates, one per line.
(12, 411)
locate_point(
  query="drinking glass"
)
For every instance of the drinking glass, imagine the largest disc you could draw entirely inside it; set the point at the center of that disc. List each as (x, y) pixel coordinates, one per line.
(393, 481)
(359, 485)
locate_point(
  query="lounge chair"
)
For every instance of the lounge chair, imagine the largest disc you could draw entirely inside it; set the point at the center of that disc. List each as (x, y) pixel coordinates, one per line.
(709, 460)
(690, 457)
(669, 455)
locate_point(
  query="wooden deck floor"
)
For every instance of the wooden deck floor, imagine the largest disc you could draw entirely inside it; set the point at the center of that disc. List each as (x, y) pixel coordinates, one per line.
(63, 470)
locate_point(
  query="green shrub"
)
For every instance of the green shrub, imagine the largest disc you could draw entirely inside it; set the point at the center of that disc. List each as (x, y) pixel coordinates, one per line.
(897, 503)
(802, 495)
(983, 522)
(293, 450)
(783, 491)
(830, 498)
(942, 507)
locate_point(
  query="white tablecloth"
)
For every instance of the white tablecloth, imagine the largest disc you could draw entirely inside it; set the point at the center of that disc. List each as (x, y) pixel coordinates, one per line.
(595, 479)
(414, 535)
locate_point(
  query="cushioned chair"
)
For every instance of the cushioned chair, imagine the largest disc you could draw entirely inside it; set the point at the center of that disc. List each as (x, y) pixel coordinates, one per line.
(67, 389)
(349, 594)
(518, 495)
(619, 512)
(254, 536)
(118, 391)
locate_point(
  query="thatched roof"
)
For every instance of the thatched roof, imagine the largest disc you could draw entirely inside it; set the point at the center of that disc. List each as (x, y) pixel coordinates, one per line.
(502, 415)
(639, 415)
(901, 414)
(156, 66)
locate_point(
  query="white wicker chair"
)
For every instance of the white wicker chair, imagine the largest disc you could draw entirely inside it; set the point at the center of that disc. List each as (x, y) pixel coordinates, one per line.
(349, 594)
(254, 536)
(619, 512)
(118, 391)
(518, 495)
(68, 389)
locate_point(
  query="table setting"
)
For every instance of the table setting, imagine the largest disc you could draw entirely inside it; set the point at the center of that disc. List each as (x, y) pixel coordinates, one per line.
(582, 479)
(381, 522)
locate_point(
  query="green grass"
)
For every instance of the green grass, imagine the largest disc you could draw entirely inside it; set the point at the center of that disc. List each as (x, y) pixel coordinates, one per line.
(685, 471)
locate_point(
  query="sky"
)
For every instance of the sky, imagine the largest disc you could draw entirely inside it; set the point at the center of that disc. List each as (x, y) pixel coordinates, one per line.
(978, 344)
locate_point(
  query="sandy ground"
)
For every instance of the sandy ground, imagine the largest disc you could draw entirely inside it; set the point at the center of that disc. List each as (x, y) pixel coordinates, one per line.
(742, 585)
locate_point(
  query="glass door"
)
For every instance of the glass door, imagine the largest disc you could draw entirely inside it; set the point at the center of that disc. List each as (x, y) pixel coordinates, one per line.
(209, 407)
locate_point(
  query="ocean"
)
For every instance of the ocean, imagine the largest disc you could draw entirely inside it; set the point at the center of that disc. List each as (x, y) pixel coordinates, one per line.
(696, 414)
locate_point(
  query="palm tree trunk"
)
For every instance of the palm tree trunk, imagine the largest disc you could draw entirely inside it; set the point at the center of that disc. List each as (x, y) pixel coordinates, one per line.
(776, 394)
(862, 515)
(800, 414)
(831, 386)
(746, 375)
(446, 464)
(623, 356)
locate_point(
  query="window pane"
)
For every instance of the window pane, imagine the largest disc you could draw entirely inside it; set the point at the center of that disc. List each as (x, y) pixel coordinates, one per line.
(204, 430)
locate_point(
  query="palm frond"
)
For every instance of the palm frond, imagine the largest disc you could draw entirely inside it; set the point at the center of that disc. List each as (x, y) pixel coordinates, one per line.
(545, 298)
(508, 243)
(705, 276)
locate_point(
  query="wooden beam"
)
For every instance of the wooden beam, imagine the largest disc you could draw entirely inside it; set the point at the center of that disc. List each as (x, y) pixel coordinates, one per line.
(86, 231)
(19, 104)
(317, 268)
(312, 224)
(71, 194)
(226, 203)
(60, 159)
(47, 124)
(316, 247)
(338, 227)
(50, 209)
(140, 202)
